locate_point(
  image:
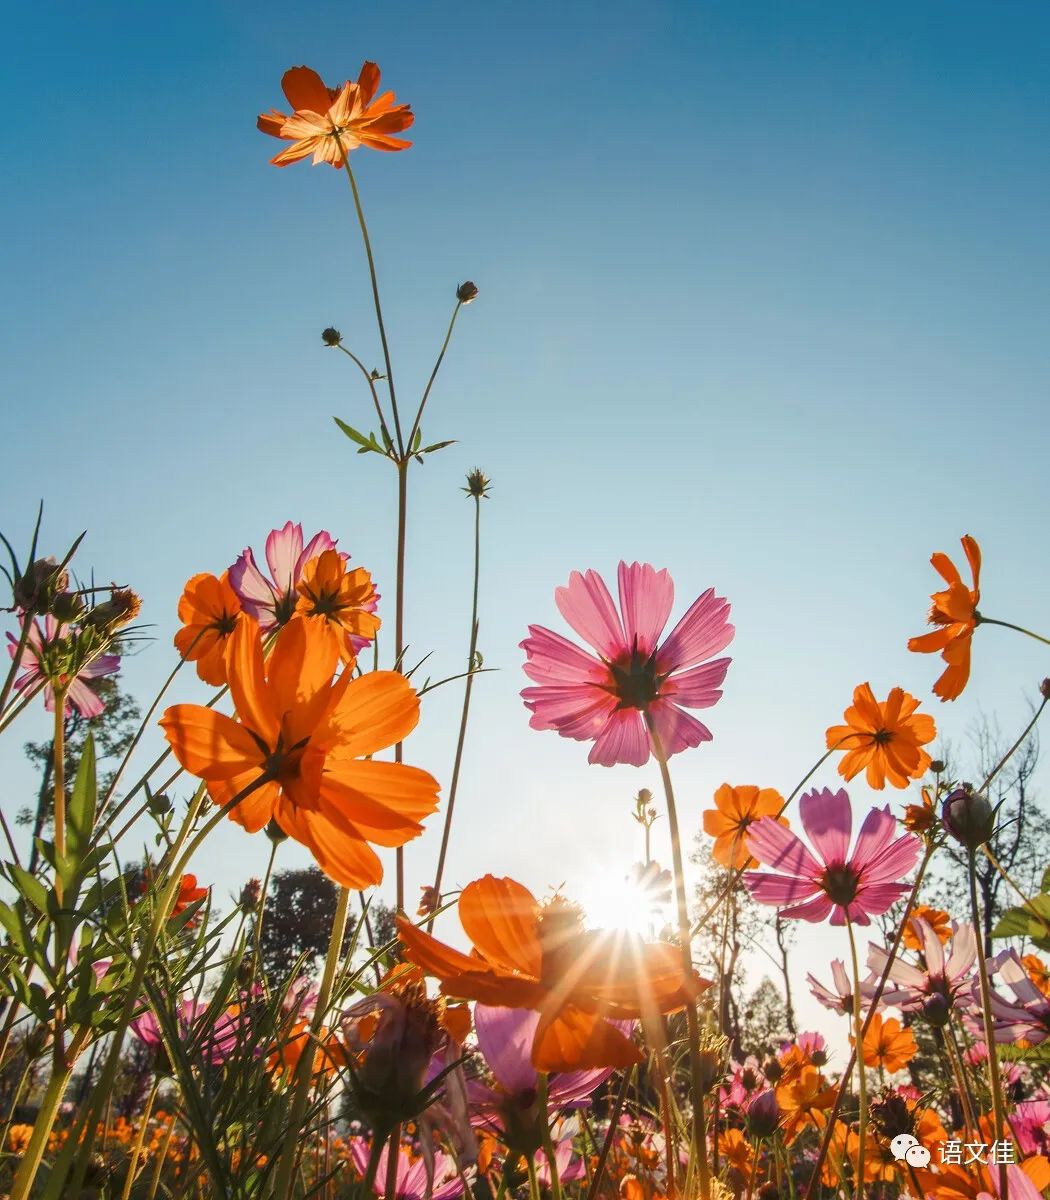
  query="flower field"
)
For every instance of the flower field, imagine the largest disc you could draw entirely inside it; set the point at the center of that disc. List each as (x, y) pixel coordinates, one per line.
(486, 1037)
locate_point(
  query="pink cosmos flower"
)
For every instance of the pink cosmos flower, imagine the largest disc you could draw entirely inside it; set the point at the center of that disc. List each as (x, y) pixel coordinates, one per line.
(745, 1080)
(410, 1180)
(1019, 1185)
(1030, 1123)
(607, 697)
(216, 1042)
(976, 1056)
(79, 697)
(841, 999)
(936, 986)
(271, 601)
(570, 1166)
(1028, 1014)
(848, 887)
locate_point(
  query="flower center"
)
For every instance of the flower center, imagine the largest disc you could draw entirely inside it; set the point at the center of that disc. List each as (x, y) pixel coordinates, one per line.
(883, 737)
(635, 680)
(840, 883)
(284, 607)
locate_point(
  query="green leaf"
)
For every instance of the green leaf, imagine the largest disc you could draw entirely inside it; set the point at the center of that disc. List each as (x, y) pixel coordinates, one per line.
(353, 434)
(31, 888)
(438, 446)
(416, 441)
(1045, 885)
(1025, 923)
(80, 815)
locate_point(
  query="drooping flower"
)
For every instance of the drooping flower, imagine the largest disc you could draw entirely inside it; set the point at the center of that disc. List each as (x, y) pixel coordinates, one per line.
(54, 655)
(342, 601)
(883, 739)
(735, 809)
(939, 985)
(410, 1173)
(954, 612)
(330, 122)
(272, 601)
(608, 697)
(540, 957)
(844, 886)
(302, 741)
(209, 611)
(887, 1044)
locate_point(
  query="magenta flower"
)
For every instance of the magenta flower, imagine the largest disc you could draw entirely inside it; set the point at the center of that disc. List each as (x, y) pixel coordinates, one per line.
(1028, 1014)
(79, 697)
(1030, 1123)
(939, 984)
(848, 887)
(1019, 1185)
(744, 1081)
(216, 1042)
(570, 1166)
(608, 696)
(410, 1179)
(272, 601)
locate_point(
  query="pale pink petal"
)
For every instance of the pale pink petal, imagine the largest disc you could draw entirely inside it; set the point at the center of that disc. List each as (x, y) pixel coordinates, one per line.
(702, 632)
(775, 846)
(587, 606)
(578, 711)
(932, 949)
(623, 740)
(890, 864)
(700, 686)
(964, 952)
(677, 730)
(554, 659)
(104, 665)
(828, 820)
(646, 596)
(83, 699)
(316, 546)
(505, 1037)
(255, 592)
(875, 899)
(816, 909)
(283, 547)
(842, 980)
(876, 834)
(779, 889)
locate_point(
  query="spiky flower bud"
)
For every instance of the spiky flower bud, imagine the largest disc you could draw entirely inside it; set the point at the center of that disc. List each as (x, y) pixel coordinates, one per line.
(968, 816)
(160, 804)
(331, 337)
(42, 582)
(67, 607)
(466, 292)
(478, 484)
(122, 607)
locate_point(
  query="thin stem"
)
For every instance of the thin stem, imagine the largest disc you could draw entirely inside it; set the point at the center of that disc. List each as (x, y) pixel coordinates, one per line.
(548, 1143)
(898, 937)
(137, 1151)
(60, 786)
(1025, 901)
(375, 1153)
(534, 1183)
(372, 388)
(994, 1080)
(260, 912)
(16, 661)
(457, 763)
(433, 375)
(304, 1069)
(684, 937)
(862, 1085)
(392, 1155)
(375, 295)
(158, 1166)
(399, 631)
(1015, 747)
(1017, 629)
(610, 1134)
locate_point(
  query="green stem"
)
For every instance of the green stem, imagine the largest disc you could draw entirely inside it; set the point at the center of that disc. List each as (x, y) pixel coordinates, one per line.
(610, 1134)
(548, 1143)
(862, 1085)
(1014, 748)
(433, 375)
(375, 1153)
(685, 937)
(372, 388)
(1016, 628)
(139, 1140)
(457, 763)
(60, 786)
(257, 932)
(399, 635)
(158, 1166)
(994, 1080)
(304, 1069)
(392, 1155)
(534, 1183)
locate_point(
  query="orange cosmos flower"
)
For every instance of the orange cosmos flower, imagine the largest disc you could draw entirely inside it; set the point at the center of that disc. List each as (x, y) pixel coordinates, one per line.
(302, 741)
(954, 612)
(887, 1044)
(285, 1059)
(735, 809)
(343, 600)
(330, 122)
(804, 1100)
(209, 611)
(884, 738)
(1038, 972)
(734, 1147)
(530, 956)
(922, 818)
(938, 919)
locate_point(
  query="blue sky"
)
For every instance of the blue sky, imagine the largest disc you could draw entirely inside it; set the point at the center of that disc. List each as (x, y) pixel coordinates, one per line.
(764, 292)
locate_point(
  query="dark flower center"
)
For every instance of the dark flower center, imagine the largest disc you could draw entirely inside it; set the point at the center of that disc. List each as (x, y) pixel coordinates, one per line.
(883, 736)
(636, 681)
(284, 607)
(840, 883)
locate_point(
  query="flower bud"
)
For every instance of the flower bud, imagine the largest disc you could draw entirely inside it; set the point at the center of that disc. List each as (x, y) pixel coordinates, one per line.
(331, 337)
(160, 804)
(819, 1057)
(772, 1070)
(67, 607)
(937, 1010)
(711, 1062)
(763, 1115)
(892, 1116)
(250, 894)
(478, 484)
(937, 766)
(466, 292)
(1044, 689)
(122, 606)
(429, 901)
(968, 816)
(42, 581)
(274, 832)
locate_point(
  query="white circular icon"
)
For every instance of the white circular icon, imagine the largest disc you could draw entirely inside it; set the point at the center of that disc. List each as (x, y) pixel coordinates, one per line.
(902, 1143)
(917, 1156)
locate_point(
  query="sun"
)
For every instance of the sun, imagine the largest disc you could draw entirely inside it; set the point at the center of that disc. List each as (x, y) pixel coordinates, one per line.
(636, 902)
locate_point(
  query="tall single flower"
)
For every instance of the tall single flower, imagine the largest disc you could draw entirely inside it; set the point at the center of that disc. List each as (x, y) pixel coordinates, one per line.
(303, 741)
(53, 654)
(272, 601)
(606, 697)
(342, 600)
(330, 122)
(209, 610)
(845, 886)
(954, 612)
(540, 957)
(735, 809)
(884, 739)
